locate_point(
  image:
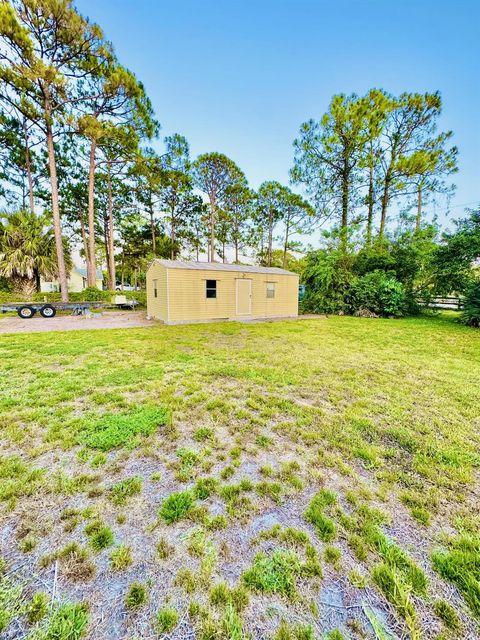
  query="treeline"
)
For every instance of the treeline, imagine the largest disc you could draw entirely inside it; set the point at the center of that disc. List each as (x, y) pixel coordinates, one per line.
(76, 129)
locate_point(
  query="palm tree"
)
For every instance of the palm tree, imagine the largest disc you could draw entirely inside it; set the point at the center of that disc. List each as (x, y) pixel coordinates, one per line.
(27, 250)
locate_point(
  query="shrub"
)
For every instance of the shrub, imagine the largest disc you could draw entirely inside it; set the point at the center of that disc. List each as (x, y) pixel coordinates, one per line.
(328, 277)
(471, 307)
(176, 506)
(378, 293)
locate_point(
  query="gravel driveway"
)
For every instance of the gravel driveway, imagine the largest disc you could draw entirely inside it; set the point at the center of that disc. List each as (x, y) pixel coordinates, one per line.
(105, 320)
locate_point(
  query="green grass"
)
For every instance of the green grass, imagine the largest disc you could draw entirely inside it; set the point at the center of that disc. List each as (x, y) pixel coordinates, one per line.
(67, 622)
(186, 445)
(460, 564)
(137, 596)
(124, 489)
(274, 574)
(177, 506)
(167, 620)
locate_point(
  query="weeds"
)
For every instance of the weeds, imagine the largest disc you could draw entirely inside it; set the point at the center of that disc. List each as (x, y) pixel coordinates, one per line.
(176, 506)
(123, 429)
(136, 596)
(167, 620)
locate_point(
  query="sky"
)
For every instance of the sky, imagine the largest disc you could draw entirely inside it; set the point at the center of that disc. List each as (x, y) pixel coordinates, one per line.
(240, 76)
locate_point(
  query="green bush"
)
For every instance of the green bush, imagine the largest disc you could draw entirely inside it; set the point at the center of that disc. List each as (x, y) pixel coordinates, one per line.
(471, 307)
(378, 293)
(327, 277)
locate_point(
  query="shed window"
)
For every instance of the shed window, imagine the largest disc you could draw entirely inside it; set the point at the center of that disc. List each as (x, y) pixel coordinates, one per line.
(211, 289)
(155, 289)
(270, 289)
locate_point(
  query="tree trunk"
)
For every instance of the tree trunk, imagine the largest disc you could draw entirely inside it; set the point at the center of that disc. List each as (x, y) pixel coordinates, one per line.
(105, 240)
(28, 167)
(112, 276)
(224, 257)
(370, 207)
(212, 227)
(152, 227)
(172, 236)
(57, 225)
(285, 246)
(345, 203)
(92, 262)
(83, 232)
(418, 221)
(385, 200)
(270, 238)
(24, 286)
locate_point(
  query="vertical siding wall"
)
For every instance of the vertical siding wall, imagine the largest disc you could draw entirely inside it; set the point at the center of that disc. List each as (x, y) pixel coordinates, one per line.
(157, 307)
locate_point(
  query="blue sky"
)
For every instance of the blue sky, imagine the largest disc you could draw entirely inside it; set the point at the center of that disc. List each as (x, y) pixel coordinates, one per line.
(239, 76)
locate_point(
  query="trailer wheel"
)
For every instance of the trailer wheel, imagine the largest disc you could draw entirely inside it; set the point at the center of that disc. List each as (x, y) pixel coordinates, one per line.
(48, 311)
(26, 312)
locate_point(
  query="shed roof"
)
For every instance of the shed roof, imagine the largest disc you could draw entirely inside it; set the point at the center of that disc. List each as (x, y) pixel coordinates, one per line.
(219, 266)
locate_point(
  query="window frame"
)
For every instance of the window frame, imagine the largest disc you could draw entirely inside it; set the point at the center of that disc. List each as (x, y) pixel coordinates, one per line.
(271, 287)
(211, 289)
(155, 288)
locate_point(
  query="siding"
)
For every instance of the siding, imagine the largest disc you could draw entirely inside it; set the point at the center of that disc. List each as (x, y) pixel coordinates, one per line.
(157, 307)
(183, 290)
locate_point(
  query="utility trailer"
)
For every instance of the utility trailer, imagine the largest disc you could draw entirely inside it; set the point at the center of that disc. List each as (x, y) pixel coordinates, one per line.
(27, 310)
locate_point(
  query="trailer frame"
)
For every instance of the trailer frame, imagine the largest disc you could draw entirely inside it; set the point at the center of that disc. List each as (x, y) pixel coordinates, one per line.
(27, 310)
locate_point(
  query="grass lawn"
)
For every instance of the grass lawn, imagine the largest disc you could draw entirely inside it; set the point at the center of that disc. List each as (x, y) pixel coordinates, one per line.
(290, 480)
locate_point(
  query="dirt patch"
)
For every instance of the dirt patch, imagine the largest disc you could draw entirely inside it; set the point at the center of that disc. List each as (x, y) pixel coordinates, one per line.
(106, 320)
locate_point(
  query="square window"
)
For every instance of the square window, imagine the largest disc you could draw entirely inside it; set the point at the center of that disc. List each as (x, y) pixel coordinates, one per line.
(211, 289)
(270, 289)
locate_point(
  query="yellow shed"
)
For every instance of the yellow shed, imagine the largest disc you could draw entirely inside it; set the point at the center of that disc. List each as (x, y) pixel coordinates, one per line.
(180, 292)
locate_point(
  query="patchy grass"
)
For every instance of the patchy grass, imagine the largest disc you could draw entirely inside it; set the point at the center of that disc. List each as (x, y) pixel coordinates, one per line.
(178, 505)
(123, 429)
(241, 472)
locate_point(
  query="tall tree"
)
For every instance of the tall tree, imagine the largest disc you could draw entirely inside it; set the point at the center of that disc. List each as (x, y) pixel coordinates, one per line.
(238, 206)
(327, 158)
(112, 100)
(272, 202)
(426, 169)
(298, 218)
(176, 198)
(47, 48)
(409, 131)
(378, 105)
(212, 174)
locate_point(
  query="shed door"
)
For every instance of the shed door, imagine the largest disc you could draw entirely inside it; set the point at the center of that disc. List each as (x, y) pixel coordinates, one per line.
(244, 297)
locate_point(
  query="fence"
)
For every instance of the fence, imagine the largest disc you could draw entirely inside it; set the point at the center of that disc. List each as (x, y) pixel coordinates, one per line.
(449, 302)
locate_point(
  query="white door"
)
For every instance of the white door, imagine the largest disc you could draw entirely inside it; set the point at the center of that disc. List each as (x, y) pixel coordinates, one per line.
(244, 297)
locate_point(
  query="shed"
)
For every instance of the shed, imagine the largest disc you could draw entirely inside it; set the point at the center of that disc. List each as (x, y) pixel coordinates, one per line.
(180, 292)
